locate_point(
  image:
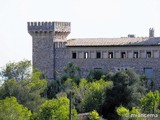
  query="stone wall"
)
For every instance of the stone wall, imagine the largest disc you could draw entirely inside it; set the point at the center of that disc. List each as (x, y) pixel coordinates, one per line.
(64, 55)
(50, 54)
(45, 35)
(42, 54)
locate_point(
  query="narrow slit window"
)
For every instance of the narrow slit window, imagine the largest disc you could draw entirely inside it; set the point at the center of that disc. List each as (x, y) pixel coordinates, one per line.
(148, 54)
(110, 55)
(85, 55)
(135, 55)
(123, 55)
(98, 55)
(74, 55)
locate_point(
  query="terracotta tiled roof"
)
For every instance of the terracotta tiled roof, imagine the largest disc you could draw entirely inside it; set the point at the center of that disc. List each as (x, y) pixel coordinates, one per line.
(114, 41)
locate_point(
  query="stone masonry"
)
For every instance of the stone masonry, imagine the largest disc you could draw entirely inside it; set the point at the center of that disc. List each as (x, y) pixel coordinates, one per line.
(52, 51)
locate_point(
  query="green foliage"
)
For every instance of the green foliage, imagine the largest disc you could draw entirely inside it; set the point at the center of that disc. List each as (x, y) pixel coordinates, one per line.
(95, 75)
(100, 93)
(80, 94)
(91, 95)
(87, 96)
(94, 115)
(108, 76)
(135, 111)
(57, 109)
(125, 114)
(72, 71)
(122, 111)
(127, 90)
(150, 102)
(69, 85)
(10, 109)
(95, 95)
(53, 88)
(27, 91)
(18, 71)
(35, 116)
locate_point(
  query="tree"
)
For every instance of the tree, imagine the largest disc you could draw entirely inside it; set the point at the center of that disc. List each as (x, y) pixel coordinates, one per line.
(95, 75)
(94, 115)
(127, 90)
(53, 88)
(122, 111)
(95, 95)
(151, 102)
(69, 85)
(91, 95)
(57, 109)
(10, 109)
(18, 71)
(28, 92)
(126, 114)
(87, 96)
(135, 112)
(72, 71)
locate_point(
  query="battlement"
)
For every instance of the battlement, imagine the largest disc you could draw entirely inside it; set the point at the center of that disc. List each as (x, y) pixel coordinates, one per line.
(49, 26)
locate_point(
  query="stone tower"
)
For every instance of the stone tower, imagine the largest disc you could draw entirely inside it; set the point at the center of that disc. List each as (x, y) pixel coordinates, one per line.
(44, 36)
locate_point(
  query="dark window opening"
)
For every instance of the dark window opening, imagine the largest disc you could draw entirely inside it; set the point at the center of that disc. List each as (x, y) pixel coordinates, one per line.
(135, 55)
(110, 55)
(98, 55)
(85, 55)
(74, 55)
(148, 54)
(123, 55)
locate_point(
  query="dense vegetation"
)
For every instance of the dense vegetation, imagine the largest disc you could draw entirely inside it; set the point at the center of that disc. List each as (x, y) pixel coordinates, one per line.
(26, 95)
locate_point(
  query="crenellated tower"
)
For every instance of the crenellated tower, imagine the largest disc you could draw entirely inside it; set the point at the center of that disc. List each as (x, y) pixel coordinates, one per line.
(44, 36)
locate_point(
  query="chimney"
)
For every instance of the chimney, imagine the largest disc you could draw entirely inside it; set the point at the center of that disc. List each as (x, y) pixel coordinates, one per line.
(151, 32)
(131, 36)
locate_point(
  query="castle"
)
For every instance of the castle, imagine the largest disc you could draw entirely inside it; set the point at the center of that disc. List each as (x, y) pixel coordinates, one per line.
(52, 51)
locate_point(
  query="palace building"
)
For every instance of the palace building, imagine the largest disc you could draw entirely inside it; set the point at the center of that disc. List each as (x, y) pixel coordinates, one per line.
(52, 51)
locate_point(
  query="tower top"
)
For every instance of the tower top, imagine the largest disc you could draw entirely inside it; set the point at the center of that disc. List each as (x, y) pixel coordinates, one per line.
(49, 26)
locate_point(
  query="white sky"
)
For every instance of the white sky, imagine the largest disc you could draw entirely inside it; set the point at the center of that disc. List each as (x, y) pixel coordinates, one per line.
(89, 18)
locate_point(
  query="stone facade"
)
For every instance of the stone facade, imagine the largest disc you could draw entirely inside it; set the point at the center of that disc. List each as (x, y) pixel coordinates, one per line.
(45, 36)
(52, 51)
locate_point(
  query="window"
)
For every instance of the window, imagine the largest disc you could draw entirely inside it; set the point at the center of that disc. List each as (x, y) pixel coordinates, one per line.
(135, 55)
(85, 55)
(123, 55)
(148, 72)
(148, 54)
(98, 55)
(74, 55)
(110, 55)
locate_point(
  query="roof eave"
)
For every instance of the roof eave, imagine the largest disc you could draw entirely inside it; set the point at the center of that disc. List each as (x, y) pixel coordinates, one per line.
(110, 45)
